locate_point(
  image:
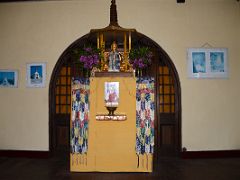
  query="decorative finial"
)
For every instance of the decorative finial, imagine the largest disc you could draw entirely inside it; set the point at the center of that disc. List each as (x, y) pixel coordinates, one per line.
(113, 14)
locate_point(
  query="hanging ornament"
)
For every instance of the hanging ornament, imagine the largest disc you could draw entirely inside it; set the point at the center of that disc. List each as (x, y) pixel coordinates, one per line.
(144, 118)
(80, 114)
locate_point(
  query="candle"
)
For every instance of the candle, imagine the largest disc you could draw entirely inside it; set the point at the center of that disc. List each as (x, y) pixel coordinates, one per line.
(98, 40)
(125, 43)
(129, 41)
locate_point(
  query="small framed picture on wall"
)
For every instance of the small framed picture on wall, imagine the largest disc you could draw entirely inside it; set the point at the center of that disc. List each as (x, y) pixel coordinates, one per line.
(207, 63)
(36, 75)
(8, 78)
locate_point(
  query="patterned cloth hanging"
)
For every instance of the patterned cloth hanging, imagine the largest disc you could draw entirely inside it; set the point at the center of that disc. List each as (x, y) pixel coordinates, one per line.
(144, 116)
(80, 115)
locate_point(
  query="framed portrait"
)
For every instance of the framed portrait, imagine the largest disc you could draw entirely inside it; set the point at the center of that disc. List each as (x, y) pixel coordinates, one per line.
(207, 63)
(111, 93)
(8, 78)
(36, 75)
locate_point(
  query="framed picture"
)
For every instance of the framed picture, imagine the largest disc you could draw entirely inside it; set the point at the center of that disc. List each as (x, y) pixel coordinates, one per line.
(111, 94)
(36, 74)
(8, 78)
(207, 63)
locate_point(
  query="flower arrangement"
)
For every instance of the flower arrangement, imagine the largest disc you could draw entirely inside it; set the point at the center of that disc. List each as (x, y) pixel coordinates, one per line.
(89, 57)
(140, 58)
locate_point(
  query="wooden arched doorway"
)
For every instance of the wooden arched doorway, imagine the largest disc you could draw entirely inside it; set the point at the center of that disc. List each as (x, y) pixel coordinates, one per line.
(167, 88)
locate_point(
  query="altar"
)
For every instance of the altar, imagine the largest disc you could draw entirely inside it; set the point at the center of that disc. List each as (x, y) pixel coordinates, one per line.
(113, 106)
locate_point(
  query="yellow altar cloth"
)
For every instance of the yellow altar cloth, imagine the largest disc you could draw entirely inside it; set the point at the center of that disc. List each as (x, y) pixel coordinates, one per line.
(111, 144)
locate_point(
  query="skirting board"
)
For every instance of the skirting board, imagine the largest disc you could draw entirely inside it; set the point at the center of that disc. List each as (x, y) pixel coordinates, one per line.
(210, 154)
(26, 154)
(184, 154)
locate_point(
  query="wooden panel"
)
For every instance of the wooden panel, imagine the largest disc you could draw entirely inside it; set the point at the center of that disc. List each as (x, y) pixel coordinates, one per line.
(57, 82)
(161, 109)
(166, 89)
(161, 80)
(166, 108)
(63, 99)
(166, 99)
(62, 135)
(168, 122)
(63, 80)
(63, 90)
(69, 109)
(68, 99)
(69, 80)
(167, 133)
(166, 80)
(69, 71)
(161, 99)
(57, 90)
(57, 109)
(160, 89)
(165, 70)
(63, 71)
(63, 109)
(172, 99)
(211, 154)
(57, 99)
(22, 154)
(69, 90)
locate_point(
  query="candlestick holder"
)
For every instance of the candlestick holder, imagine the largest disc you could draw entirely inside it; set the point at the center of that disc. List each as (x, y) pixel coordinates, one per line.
(111, 110)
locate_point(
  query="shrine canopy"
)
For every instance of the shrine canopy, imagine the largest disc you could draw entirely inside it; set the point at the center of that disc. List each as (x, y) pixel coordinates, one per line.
(113, 26)
(113, 33)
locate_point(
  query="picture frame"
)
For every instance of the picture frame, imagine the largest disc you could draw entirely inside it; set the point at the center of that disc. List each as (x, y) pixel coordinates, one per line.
(111, 94)
(207, 63)
(36, 75)
(8, 78)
